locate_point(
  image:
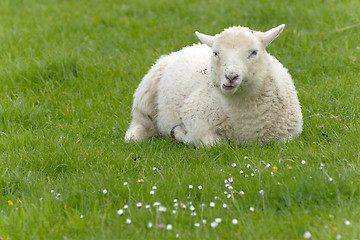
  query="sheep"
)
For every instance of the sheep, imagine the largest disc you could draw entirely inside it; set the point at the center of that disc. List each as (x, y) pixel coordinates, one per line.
(225, 89)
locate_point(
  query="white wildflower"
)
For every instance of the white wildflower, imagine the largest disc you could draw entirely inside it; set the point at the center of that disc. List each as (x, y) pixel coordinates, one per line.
(307, 235)
(162, 209)
(169, 227)
(214, 224)
(120, 212)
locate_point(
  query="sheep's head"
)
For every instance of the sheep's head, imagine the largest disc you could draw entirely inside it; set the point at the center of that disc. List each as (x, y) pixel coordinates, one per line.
(237, 56)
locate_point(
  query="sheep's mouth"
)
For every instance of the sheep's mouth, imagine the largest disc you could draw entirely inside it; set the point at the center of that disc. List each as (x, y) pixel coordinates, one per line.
(227, 87)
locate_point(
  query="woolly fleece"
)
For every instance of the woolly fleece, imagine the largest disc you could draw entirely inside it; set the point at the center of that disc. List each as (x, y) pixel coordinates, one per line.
(227, 89)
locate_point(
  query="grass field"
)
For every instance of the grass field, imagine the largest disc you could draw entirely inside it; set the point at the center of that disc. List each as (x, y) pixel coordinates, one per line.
(68, 70)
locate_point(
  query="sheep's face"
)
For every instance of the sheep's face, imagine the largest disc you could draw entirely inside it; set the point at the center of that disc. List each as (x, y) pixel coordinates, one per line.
(234, 55)
(237, 57)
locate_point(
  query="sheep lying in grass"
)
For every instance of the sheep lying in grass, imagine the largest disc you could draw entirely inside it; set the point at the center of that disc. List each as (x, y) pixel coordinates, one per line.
(226, 89)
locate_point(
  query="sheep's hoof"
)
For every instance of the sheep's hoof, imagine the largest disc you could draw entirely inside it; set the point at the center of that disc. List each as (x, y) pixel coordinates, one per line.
(135, 133)
(178, 132)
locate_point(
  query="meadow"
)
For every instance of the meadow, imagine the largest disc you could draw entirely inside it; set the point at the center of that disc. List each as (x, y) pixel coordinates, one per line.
(68, 70)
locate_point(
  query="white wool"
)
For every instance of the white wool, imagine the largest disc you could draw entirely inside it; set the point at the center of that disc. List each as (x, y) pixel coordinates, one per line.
(228, 88)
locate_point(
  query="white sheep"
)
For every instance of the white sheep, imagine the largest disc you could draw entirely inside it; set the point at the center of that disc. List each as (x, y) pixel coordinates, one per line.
(226, 89)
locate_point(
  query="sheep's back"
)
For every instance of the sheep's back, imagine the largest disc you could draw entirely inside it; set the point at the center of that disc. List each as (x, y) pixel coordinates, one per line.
(188, 70)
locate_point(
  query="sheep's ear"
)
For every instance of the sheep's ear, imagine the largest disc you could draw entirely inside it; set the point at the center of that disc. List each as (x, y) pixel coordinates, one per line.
(269, 36)
(207, 39)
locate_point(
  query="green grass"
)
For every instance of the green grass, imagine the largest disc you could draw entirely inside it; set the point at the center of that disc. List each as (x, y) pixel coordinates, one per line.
(68, 72)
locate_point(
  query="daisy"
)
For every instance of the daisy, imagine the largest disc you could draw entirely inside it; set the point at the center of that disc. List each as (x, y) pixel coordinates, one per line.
(214, 224)
(307, 235)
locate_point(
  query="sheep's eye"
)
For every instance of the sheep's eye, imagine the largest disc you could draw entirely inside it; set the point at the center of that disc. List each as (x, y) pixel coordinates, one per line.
(216, 54)
(253, 53)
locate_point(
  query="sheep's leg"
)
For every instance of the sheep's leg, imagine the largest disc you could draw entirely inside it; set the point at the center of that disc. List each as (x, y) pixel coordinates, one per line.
(198, 138)
(211, 140)
(179, 132)
(141, 127)
(144, 110)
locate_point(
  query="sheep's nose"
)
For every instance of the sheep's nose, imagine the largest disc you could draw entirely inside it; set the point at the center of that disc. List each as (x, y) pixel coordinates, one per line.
(232, 76)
